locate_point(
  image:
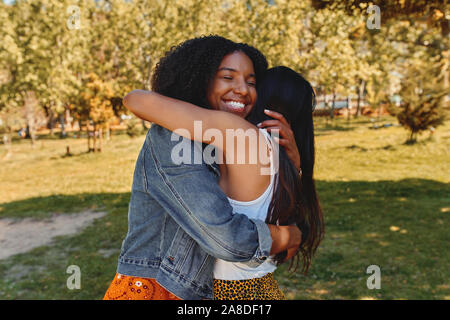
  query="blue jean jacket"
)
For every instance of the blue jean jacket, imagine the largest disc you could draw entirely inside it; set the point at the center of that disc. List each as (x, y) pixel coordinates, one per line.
(179, 221)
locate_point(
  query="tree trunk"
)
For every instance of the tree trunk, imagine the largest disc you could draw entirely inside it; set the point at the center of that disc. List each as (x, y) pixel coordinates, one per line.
(332, 105)
(88, 136)
(149, 71)
(325, 102)
(63, 125)
(30, 109)
(108, 132)
(100, 139)
(50, 120)
(446, 69)
(94, 146)
(80, 129)
(348, 108)
(360, 92)
(69, 119)
(358, 104)
(8, 144)
(412, 137)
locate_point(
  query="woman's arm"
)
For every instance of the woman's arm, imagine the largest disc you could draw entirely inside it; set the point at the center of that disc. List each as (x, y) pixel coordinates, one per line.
(175, 114)
(169, 113)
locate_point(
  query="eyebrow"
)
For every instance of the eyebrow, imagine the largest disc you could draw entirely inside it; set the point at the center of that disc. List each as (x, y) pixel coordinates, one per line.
(234, 70)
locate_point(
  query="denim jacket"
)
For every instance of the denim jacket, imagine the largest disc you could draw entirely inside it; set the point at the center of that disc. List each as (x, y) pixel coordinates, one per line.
(180, 221)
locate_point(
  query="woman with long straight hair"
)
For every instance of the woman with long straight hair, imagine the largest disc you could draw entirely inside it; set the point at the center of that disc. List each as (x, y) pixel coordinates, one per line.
(287, 196)
(295, 199)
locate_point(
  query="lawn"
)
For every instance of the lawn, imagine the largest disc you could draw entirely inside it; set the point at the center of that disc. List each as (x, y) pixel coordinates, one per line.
(385, 203)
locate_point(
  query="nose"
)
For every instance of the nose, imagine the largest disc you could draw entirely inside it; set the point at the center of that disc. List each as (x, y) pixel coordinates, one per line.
(241, 87)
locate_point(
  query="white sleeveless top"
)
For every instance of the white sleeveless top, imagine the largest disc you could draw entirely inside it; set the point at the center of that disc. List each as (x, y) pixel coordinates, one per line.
(255, 209)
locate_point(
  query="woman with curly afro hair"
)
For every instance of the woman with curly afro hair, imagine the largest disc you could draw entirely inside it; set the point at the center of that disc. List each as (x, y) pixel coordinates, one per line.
(186, 71)
(181, 215)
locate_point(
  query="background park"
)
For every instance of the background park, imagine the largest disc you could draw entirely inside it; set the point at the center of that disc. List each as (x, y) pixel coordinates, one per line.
(380, 70)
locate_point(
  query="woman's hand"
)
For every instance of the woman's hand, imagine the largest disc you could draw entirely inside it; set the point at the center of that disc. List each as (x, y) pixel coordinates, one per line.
(287, 139)
(284, 238)
(291, 252)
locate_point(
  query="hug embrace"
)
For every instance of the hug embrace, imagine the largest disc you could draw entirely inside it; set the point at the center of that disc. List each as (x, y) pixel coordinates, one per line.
(202, 229)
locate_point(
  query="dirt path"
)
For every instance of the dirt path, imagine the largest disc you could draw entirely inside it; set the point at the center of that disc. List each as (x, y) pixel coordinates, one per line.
(18, 236)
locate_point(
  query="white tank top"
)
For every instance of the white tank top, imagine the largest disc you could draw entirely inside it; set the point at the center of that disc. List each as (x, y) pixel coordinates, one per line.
(255, 209)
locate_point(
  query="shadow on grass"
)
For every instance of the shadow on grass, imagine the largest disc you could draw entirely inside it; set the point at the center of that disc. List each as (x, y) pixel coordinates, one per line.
(42, 272)
(330, 192)
(44, 207)
(78, 154)
(334, 127)
(70, 135)
(407, 197)
(355, 147)
(342, 201)
(402, 226)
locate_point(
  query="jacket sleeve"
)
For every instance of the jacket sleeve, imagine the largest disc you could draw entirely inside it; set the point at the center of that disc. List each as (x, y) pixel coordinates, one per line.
(190, 194)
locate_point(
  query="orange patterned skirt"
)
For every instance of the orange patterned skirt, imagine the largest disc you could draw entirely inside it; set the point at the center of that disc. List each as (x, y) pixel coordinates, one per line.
(134, 288)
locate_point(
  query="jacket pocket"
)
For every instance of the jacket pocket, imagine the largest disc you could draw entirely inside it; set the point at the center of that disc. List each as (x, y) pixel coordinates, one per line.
(179, 250)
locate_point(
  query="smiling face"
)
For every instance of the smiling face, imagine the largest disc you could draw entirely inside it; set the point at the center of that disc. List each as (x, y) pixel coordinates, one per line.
(233, 88)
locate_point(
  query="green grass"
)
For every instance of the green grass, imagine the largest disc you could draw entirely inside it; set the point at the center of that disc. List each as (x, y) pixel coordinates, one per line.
(385, 203)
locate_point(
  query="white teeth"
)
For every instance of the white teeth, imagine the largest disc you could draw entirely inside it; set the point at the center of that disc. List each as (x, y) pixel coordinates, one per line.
(235, 104)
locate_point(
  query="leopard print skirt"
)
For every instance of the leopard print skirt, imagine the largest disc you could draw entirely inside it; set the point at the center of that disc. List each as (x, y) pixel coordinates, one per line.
(265, 288)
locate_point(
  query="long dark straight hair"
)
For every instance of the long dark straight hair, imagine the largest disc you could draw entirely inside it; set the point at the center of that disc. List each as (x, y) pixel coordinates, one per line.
(295, 199)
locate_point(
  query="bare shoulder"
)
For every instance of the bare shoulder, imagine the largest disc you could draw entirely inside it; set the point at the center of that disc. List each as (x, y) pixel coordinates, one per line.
(247, 161)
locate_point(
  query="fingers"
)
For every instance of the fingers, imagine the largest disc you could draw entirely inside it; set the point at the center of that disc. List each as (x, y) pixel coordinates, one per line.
(276, 115)
(291, 252)
(282, 142)
(276, 124)
(268, 123)
(283, 131)
(286, 137)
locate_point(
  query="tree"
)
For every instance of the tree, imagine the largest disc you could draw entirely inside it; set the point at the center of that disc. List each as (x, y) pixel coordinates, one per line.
(376, 76)
(271, 26)
(432, 10)
(114, 60)
(37, 58)
(408, 29)
(328, 54)
(96, 108)
(21, 52)
(423, 94)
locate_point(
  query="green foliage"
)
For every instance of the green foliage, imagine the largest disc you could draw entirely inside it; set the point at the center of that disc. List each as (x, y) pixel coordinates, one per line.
(380, 200)
(133, 127)
(423, 95)
(432, 10)
(51, 47)
(95, 100)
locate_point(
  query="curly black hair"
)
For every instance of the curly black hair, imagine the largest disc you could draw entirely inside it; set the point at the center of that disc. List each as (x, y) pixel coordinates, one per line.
(186, 70)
